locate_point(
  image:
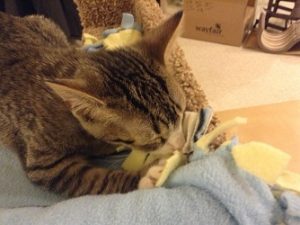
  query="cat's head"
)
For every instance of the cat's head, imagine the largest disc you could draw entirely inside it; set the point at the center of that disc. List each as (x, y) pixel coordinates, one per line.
(129, 96)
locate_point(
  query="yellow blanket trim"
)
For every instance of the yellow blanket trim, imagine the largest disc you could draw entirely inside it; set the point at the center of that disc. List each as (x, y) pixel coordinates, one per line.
(115, 40)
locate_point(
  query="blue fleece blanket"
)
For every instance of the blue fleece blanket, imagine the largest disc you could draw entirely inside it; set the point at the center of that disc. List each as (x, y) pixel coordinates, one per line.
(209, 190)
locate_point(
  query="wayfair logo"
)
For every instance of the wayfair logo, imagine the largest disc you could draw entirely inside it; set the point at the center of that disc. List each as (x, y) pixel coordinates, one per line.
(215, 29)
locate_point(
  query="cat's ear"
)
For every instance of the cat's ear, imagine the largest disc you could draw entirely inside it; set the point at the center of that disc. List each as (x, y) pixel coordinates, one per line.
(72, 91)
(158, 42)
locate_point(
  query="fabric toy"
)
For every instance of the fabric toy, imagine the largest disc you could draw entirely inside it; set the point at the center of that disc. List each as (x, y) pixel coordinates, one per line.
(192, 127)
(260, 159)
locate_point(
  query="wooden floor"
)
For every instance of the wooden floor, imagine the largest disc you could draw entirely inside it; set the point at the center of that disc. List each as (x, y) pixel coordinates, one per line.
(276, 124)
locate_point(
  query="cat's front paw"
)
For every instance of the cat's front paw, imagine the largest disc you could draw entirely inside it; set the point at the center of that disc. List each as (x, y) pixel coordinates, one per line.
(151, 177)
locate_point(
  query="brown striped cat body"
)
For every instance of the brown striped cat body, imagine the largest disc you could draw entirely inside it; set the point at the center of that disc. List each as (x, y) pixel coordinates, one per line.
(59, 105)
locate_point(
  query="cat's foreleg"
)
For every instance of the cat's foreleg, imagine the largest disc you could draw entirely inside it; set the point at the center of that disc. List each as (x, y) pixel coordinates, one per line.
(75, 176)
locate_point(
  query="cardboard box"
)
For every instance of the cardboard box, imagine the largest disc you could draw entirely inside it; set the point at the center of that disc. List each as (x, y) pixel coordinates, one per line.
(222, 21)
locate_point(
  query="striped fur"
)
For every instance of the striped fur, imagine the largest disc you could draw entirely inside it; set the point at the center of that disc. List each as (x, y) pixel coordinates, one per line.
(59, 106)
(126, 74)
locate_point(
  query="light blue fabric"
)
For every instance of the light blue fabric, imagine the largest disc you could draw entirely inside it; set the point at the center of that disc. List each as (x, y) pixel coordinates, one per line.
(16, 190)
(127, 21)
(208, 190)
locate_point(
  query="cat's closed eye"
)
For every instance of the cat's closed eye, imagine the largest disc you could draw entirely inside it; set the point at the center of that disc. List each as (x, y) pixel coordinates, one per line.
(154, 144)
(123, 141)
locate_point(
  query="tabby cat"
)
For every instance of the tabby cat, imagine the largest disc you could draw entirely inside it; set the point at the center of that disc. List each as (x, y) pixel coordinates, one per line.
(60, 105)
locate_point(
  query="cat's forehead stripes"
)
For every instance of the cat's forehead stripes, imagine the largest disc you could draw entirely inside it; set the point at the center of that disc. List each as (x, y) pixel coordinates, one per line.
(127, 75)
